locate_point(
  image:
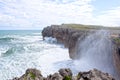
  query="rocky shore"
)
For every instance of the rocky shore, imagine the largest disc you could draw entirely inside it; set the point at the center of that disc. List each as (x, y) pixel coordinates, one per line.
(66, 36)
(65, 74)
(70, 36)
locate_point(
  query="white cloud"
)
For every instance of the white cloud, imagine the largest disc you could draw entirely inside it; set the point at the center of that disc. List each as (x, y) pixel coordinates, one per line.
(110, 17)
(40, 13)
(45, 12)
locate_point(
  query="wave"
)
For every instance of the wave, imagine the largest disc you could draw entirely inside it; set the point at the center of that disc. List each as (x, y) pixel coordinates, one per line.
(7, 39)
(13, 50)
(19, 39)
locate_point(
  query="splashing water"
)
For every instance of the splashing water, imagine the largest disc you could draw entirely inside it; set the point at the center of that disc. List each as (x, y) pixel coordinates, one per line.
(20, 50)
(96, 51)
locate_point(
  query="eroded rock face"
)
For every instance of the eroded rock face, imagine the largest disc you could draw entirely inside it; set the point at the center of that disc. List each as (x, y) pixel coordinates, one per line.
(55, 76)
(65, 35)
(66, 74)
(94, 75)
(31, 74)
(116, 55)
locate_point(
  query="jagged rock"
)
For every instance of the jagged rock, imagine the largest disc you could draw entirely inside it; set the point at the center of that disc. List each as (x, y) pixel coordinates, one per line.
(31, 74)
(65, 74)
(66, 35)
(116, 54)
(94, 75)
(55, 76)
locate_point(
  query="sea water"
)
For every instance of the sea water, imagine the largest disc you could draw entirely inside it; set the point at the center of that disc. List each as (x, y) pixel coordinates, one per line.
(23, 49)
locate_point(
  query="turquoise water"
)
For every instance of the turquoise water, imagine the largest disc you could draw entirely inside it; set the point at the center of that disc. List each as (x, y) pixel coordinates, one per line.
(18, 32)
(22, 49)
(14, 40)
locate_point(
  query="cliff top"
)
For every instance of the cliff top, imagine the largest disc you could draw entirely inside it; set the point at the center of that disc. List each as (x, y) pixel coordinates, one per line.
(82, 26)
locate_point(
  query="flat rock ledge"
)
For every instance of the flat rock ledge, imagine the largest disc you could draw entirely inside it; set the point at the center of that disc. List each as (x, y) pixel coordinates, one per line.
(65, 74)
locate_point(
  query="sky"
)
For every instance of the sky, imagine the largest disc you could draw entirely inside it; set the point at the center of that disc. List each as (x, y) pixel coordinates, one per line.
(36, 14)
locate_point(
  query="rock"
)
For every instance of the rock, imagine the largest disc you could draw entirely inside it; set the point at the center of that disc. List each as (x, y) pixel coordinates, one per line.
(55, 76)
(94, 75)
(66, 35)
(16, 78)
(65, 74)
(31, 74)
(116, 54)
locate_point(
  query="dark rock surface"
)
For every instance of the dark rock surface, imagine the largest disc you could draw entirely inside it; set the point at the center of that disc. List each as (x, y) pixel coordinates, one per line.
(31, 74)
(65, 74)
(67, 36)
(116, 56)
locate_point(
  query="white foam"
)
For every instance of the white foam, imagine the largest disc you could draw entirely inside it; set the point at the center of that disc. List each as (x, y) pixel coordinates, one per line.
(43, 58)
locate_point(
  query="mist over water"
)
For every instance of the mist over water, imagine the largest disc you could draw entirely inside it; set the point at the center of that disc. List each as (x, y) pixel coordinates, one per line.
(96, 51)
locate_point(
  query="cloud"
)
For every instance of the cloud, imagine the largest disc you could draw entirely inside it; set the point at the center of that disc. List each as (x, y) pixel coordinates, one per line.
(34, 14)
(43, 12)
(109, 17)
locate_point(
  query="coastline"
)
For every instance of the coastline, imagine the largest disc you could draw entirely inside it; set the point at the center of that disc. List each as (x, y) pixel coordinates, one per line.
(69, 37)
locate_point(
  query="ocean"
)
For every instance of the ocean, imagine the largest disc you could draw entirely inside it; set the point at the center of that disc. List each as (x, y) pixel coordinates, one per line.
(23, 49)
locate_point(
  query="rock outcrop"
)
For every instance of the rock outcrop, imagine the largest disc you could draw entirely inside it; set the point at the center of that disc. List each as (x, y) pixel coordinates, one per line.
(31, 74)
(65, 74)
(66, 35)
(116, 56)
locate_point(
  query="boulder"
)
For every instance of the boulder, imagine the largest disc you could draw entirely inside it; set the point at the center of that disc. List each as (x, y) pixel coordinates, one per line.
(55, 76)
(65, 74)
(94, 75)
(31, 74)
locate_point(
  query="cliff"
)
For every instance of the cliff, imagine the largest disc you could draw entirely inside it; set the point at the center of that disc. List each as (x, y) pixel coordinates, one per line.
(70, 34)
(66, 35)
(65, 74)
(116, 41)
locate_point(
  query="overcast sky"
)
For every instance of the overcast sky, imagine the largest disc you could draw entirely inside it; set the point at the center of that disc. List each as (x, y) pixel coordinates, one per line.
(35, 14)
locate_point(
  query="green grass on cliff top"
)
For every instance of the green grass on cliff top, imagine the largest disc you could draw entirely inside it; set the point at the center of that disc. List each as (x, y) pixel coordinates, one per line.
(85, 27)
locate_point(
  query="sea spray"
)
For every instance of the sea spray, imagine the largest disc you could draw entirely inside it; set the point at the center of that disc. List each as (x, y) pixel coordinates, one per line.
(96, 51)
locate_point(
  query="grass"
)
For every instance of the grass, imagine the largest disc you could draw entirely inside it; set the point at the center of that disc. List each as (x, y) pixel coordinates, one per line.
(117, 40)
(32, 75)
(87, 27)
(78, 76)
(67, 78)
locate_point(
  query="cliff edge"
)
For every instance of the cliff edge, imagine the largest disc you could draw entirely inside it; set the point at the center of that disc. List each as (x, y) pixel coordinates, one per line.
(66, 35)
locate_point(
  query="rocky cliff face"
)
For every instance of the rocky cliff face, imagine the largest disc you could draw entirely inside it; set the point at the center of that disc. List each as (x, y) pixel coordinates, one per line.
(70, 36)
(65, 35)
(65, 74)
(116, 56)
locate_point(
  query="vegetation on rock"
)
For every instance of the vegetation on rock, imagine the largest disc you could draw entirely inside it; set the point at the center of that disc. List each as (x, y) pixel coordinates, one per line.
(65, 74)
